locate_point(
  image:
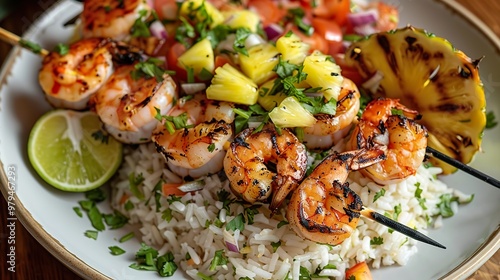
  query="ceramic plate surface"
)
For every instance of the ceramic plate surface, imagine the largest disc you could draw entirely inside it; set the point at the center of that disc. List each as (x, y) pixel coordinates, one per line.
(472, 236)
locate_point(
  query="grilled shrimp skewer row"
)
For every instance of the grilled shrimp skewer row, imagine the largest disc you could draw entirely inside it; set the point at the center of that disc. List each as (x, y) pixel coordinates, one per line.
(245, 164)
(197, 150)
(127, 107)
(330, 129)
(69, 80)
(405, 139)
(111, 18)
(323, 208)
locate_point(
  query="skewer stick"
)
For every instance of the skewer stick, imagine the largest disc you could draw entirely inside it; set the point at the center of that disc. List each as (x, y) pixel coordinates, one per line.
(372, 215)
(13, 39)
(455, 163)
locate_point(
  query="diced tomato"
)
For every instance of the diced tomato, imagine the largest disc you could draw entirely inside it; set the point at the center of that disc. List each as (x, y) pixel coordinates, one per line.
(268, 11)
(221, 59)
(388, 17)
(360, 271)
(348, 72)
(176, 49)
(168, 189)
(336, 10)
(124, 198)
(166, 9)
(331, 32)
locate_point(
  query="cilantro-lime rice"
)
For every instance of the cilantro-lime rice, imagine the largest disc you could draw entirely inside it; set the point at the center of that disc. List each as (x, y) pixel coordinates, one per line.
(213, 234)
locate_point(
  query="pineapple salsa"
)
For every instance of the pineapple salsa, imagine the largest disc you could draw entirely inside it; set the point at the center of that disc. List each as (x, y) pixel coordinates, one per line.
(277, 62)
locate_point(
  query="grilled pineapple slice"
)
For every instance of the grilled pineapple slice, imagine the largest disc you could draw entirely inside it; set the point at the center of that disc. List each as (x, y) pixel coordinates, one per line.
(231, 85)
(201, 10)
(242, 18)
(198, 57)
(267, 100)
(427, 74)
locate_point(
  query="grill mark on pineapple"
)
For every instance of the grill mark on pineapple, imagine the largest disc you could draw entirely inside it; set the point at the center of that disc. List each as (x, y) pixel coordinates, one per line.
(453, 108)
(384, 43)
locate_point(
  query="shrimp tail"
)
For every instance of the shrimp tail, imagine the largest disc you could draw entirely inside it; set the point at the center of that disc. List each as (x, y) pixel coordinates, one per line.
(283, 186)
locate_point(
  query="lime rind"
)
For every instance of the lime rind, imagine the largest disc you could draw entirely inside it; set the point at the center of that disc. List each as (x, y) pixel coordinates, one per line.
(71, 160)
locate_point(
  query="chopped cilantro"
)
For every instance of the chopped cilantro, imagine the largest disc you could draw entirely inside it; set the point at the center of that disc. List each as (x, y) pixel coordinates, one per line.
(95, 217)
(251, 211)
(116, 251)
(166, 265)
(91, 234)
(490, 120)
(237, 222)
(184, 31)
(282, 223)
(173, 123)
(224, 197)
(134, 182)
(115, 220)
(377, 240)
(275, 245)
(126, 237)
(95, 195)
(78, 211)
(34, 47)
(167, 215)
(140, 27)
(203, 276)
(151, 68)
(211, 147)
(129, 205)
(61, 49)
(218, 260)
(304, 273)
(379, 194)
(397, 112)
(445, 204)
(397, 211)
(239, 42)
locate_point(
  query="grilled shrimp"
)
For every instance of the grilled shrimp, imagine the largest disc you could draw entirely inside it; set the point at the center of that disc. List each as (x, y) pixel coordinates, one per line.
(329, 129)
(127, 106)
(245, 164)
(323, 208)
(111, 18)
(197, 150)
(70, 80)
(405, 139)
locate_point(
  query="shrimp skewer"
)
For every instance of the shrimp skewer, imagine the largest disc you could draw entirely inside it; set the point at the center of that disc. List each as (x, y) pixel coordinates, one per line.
(69, 80)
(324, 209)
(111, 18)
(197, 150)
(246, 159)
(390, 123)
(128, 106)
(330, 129)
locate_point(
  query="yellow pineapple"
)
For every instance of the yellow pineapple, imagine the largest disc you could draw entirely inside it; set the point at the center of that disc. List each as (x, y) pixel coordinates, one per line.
(242, 18)
(259, 63)
(231, 85)
(291, 114)
(323, 72)
(197, 10)
(266, 100)
(429, 75)
(292, 49)
(200, 56)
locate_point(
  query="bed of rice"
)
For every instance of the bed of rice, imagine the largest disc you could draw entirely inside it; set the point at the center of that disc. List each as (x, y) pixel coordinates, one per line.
(193, 232)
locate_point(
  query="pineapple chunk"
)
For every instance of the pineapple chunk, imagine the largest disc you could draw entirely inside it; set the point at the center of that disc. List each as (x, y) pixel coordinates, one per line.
(200, 56)
(197, 10)
(292, 49)
(259, 63)
(291, 114)
(427, 74)
(242, 18)
(323, 72)
(266, 100)
(231, 85)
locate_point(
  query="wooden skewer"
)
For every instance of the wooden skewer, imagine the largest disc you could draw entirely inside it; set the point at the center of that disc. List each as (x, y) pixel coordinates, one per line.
(13, 39)
(372, 215)
(455, 163)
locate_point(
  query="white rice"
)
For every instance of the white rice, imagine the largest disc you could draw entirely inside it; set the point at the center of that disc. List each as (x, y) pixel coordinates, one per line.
(193, 230)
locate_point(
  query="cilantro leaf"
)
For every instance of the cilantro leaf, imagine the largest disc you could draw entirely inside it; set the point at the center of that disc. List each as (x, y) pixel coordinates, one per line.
(377, 240)
(237, 222)
(61, 49)
(116, 251)
(490, 120)
(91, 234)
(218, 260)
(379, 194)
(165, 265)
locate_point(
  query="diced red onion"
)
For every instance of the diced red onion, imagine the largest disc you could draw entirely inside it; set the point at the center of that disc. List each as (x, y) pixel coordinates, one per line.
(273, 31)
(192, 186)
(373, 83)
(365, 30)
(363, 18)
(231, 242)
(253, 40)
(190, 88)
(158, 30)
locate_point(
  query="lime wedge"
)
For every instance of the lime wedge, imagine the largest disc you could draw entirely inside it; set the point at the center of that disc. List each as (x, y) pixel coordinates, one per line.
(71, 152)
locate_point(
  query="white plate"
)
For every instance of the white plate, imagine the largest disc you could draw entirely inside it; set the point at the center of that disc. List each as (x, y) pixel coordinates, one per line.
(472, 236)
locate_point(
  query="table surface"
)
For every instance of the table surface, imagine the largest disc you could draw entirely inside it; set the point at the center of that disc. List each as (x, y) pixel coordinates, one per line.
(35, 262)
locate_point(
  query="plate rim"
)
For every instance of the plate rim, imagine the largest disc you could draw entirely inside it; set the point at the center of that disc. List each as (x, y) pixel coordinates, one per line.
(77, 265)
